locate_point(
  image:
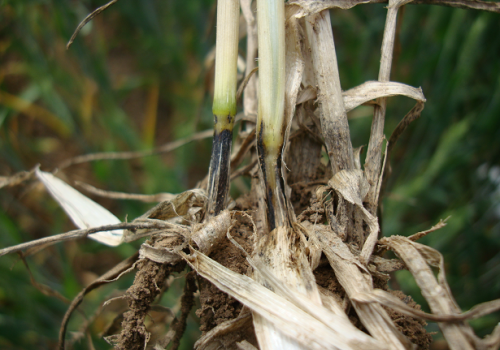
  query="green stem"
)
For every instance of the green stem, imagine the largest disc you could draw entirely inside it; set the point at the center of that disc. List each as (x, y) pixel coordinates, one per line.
(270, 120)
(224, 105)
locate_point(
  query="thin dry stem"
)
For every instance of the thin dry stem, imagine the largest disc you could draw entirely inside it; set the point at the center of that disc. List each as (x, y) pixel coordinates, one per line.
(148, 198)
(374, 152)
(87, 20)
(77, 234)
(110, 276)
(168, 147)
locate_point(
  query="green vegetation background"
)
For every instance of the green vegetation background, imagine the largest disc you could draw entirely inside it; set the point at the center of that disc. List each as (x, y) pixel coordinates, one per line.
(136, 77)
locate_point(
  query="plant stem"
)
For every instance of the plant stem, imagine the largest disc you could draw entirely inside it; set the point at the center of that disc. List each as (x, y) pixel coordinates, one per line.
(374, 152)
(333, 115)
(270, 128)
(224, 105)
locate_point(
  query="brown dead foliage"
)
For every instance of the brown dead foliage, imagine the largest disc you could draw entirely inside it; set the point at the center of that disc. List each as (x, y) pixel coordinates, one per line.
(319, 279)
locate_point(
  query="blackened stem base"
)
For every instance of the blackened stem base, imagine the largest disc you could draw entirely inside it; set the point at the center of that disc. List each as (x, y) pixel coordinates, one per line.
(218, 181)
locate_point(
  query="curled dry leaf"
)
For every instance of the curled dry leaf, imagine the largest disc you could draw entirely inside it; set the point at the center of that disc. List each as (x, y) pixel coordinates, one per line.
(84, 212)
(355, 279)
(418, 258)
(372, 90)
(368, 91)
(303, 8)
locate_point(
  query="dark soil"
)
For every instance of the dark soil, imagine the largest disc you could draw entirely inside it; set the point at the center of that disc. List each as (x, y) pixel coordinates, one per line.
(217, 306)
(413, 328)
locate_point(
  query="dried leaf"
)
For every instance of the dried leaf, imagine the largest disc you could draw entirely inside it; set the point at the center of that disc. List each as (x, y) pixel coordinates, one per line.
(491, 6)
(389, 300)
(250, 97)
(163, 255)
(209, 341)
(244, 345)
(357, 157)
(84, 212)
(42, 288)
(373, 154)
(87, 20)
(417, 258)
(303, 8)
(355, 279)
(351, 184)
(294, 67)
(178, 206)
(285, 265)
(307, 94)
(372, 90)
(288, 318)
(353, 187)
(411, 116)
(244, 83)
(174, 212)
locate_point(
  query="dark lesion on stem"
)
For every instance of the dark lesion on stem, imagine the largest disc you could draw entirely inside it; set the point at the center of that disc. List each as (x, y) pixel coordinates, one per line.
(274, 184)
(261, 151)
(218, 181)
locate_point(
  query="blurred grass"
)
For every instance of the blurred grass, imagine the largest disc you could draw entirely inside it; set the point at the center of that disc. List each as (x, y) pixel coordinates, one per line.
(134, 78)
(447, 162)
